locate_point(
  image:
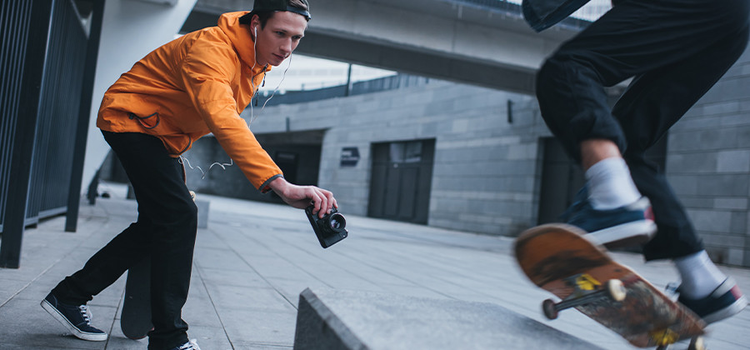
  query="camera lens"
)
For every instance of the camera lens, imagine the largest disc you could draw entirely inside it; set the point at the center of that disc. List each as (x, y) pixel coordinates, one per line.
(337, 222)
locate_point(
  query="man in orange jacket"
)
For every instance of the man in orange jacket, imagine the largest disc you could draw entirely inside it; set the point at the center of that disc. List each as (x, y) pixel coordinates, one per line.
(195, 85)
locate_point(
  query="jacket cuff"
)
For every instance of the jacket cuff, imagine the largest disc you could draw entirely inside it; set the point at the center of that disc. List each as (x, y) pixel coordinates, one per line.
(264, 188)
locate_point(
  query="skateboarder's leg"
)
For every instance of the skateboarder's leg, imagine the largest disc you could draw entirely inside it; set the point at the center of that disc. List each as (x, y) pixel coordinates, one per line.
(675, 235)
(652, 104)
(574, 104)
(634, 38)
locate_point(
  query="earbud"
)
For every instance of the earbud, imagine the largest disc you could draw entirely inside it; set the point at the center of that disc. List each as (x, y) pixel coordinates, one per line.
(256, 32)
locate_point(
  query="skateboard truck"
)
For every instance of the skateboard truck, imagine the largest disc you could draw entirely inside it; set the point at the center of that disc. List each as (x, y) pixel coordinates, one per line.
(613, 289)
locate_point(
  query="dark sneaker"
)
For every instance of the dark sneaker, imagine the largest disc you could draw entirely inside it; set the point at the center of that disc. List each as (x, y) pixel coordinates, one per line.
(626, 226)
(191, 345)
(76, 318)
(726, 301)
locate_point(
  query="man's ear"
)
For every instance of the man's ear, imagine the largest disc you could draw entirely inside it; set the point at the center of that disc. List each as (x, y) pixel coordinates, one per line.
(255, 22)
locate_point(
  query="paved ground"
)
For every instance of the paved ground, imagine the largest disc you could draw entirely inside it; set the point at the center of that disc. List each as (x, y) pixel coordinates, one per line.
(254, 259)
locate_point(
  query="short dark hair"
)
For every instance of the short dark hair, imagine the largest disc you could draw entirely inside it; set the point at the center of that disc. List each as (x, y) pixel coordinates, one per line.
(263, 17)
(301, 4)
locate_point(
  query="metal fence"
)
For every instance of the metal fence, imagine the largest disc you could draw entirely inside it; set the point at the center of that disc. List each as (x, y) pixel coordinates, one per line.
(14, 27)
(43, 59)
(58, 113)
(392, 82)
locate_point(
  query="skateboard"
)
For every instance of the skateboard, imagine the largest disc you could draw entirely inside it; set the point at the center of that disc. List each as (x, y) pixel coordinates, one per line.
(135, 320)
(559, 259)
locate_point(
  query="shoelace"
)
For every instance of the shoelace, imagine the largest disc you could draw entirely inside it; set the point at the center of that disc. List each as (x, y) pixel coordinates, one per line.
(85, 314)
(191, 345)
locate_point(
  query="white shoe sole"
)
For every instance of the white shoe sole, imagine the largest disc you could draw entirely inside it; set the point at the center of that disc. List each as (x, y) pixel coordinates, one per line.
(622, 235)
(73, 329)
(727, 312)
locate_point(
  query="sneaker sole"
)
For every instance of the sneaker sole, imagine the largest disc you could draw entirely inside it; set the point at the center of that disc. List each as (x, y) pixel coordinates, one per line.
(621, 236)
(75, 331)
(727, 312)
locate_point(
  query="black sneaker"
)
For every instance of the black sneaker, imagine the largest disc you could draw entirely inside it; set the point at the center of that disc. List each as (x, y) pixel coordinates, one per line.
(76, 318)
(191, 345)
(726, 301)
(626, 226)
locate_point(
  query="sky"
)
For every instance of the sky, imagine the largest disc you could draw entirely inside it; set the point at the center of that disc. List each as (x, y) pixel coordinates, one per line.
(309, 73)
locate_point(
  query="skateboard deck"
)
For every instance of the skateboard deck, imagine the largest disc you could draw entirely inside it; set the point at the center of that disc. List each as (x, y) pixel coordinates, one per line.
(135, 319)
(557, 258)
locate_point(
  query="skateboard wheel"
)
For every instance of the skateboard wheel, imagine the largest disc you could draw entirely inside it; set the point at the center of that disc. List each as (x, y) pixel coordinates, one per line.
(616, 290)
(549, 309)
(697, 343)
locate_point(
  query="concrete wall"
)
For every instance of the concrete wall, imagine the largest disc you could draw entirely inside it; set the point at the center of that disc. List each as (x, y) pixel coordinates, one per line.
(486, 173)
(708, 164)
(485, 177)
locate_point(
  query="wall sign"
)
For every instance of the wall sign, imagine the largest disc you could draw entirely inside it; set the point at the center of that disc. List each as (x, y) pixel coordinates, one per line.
(349, 156)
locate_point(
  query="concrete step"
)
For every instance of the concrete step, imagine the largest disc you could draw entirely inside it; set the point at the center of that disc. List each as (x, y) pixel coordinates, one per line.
(339, 319)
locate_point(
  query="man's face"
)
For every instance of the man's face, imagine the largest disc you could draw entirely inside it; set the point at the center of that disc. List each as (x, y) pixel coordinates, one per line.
(279, 38)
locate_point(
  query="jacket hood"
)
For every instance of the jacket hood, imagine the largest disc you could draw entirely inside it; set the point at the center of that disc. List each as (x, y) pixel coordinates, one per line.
(239, 35)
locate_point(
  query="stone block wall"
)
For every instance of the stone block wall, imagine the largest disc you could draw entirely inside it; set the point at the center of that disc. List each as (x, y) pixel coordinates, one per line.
(485, 176)
(487, 165)
(708, 164)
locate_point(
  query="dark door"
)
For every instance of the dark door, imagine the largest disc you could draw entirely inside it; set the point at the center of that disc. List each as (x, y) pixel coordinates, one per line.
(401, 180)
(561, 179)
(287, 162)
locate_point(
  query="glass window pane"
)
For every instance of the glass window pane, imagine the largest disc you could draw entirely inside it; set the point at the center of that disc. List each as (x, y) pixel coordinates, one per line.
(413, 152)
(397, 152)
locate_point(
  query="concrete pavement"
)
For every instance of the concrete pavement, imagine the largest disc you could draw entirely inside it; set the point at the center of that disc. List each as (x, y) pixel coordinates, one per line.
(254, 259)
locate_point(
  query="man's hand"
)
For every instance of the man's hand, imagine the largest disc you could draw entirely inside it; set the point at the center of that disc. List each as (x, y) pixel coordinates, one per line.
(302, 196)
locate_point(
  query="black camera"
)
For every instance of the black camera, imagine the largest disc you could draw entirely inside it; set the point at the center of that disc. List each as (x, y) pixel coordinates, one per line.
(329, 229)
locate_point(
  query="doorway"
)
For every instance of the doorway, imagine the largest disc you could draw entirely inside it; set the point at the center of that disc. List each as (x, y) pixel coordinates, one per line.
(401, 180)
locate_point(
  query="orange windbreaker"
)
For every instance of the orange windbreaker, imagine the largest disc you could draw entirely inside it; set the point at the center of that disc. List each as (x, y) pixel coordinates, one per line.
(195, 85)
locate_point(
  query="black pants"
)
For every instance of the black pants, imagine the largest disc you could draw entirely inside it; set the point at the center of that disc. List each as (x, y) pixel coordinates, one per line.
(165, 231)
(676, 50)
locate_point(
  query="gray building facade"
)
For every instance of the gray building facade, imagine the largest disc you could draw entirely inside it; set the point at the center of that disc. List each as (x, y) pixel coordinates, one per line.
(481, 160)
(708, 164)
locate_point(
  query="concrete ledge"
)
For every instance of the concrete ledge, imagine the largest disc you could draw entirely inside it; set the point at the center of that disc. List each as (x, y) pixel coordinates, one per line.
(332, 320)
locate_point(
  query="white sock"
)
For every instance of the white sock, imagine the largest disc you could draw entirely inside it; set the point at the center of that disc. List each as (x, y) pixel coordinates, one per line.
(610, 185)
(699, 275)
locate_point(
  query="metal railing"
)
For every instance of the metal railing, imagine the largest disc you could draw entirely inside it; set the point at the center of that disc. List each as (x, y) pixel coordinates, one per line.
(392, 82)
(14, 30)
(58, 113)
(44, 61)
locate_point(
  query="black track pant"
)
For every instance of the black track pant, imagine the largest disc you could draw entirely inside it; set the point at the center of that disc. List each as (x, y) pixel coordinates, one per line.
(676, 50)
(165, 230)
